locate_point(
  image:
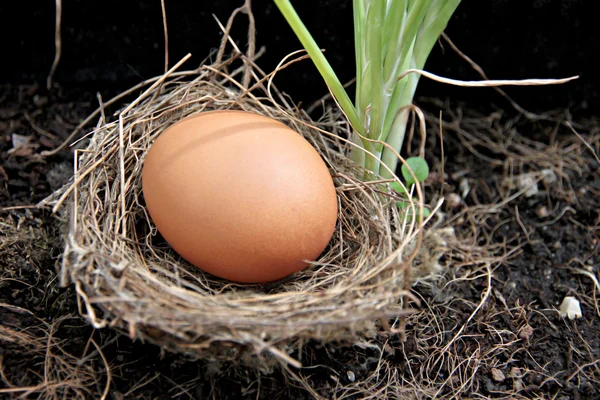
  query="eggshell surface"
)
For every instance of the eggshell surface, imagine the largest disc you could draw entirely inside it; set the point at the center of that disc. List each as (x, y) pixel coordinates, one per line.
(240, 195)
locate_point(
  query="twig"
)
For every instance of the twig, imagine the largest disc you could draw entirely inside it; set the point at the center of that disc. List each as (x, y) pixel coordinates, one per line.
(518, 218)
(107, 366)
(479, 306)
(17, 309)
(101, 108)
(164, 17)
(57, 44)
(158, 82)
(586, 144)
(284, 357)
(227, 30)
(31, 389)
(251, 43)
(442, 155)
(66, 194)
(38, 129)
(579, 369)
(11, 208)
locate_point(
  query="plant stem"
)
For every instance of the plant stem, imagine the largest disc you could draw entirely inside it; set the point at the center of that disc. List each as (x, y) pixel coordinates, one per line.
(357, 154)
(358, 10)
(397, 128)
(391, 36)
(425, 22)
(395, 140)
(378, 101)
(321, 63)
(373, 163)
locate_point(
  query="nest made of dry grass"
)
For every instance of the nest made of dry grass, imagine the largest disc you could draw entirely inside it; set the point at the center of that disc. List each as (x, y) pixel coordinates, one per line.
(127, 279)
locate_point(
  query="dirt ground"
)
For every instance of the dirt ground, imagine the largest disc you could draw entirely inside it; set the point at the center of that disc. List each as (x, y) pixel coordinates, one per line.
(522, 196)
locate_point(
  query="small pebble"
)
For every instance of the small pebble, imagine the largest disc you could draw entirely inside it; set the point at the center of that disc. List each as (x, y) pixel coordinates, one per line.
(453, 200)
(351, 376)
(543, 212)
(497, 375)
(464, 187)
(525, 332)
(570, 308)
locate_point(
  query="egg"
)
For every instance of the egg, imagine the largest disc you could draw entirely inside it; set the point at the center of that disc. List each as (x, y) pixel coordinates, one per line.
(240, 195)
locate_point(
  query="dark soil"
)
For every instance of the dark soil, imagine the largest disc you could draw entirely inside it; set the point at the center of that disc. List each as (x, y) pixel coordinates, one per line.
(538, 244)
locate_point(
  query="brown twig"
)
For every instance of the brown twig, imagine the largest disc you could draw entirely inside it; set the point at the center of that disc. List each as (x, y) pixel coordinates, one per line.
(57, 44)
(166, 33)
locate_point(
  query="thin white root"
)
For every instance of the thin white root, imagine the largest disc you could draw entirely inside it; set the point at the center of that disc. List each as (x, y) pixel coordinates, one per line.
(488, 83)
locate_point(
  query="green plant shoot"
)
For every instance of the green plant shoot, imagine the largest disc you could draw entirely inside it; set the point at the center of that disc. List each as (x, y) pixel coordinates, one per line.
(390, 37)
(415, 168)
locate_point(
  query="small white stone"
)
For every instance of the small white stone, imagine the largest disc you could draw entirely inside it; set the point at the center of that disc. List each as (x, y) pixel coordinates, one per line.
(351, 376)
(528, 183)
(453, 200)
(464, 187)
(543, 212)
(498, 375)
(19, 140)
(549, 176)
(570, 308)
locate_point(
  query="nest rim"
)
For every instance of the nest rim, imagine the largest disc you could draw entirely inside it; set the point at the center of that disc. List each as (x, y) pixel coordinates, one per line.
(350, 309)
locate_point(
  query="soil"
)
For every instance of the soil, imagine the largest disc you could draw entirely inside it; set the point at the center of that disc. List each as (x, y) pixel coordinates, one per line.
(489, 327)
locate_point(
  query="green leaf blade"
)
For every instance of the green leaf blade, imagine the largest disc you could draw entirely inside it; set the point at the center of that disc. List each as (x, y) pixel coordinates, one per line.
(323, 66)
(375, 13)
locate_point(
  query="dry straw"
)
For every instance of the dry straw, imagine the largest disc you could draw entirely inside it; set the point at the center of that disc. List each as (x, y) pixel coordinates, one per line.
(127, 278)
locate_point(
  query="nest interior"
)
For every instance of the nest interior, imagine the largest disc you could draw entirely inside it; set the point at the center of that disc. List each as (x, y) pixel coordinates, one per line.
(128, 278)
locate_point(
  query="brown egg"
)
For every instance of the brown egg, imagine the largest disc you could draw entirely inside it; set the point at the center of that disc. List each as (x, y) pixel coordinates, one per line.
(240, 195)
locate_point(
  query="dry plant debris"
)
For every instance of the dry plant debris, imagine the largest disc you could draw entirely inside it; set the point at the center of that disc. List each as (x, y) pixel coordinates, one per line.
(492, 311)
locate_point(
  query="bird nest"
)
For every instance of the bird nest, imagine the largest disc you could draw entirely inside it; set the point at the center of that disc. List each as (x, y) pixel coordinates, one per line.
(127, 278)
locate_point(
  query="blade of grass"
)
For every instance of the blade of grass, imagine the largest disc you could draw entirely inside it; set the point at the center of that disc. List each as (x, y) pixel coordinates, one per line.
(358, 9)
(395, 140)
(363, 69)
(401, 95)
(375, 18)
(391, 36)
(406, 45)
(431, 27)
(356, 154)
(435, 22)
(395, 22)
(427, 25)
(375, 13)
(332, 81)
